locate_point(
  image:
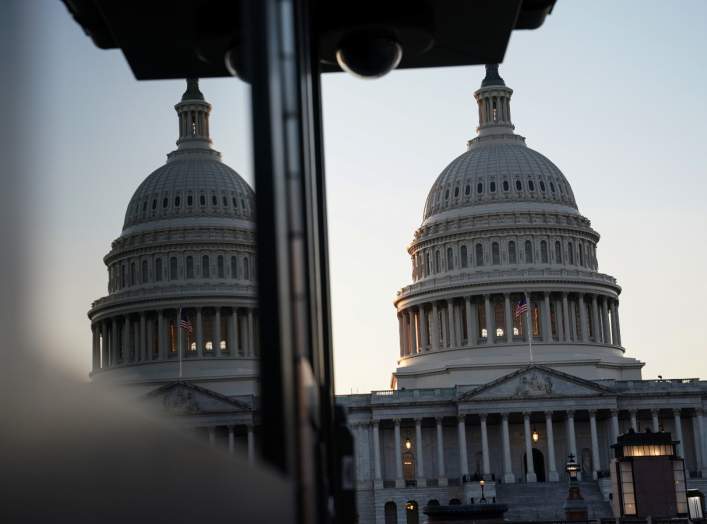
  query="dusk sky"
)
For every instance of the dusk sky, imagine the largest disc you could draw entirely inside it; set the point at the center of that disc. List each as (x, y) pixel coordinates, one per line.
(612, 92)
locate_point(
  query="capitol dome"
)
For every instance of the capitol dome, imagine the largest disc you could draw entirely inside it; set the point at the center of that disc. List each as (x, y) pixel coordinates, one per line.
(182, 298)
(502, 234)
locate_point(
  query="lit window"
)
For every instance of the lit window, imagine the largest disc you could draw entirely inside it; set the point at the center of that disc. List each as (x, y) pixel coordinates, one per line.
(499, 332)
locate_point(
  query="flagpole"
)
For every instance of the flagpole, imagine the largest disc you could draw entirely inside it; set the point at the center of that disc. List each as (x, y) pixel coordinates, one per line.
(530, 329)
(179, 340)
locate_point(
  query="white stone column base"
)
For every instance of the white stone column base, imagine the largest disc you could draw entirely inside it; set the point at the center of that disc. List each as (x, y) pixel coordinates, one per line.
(509, 478)
(553, 476)
(399, 483)
(531, 477)
(442, 482)
(421, 483)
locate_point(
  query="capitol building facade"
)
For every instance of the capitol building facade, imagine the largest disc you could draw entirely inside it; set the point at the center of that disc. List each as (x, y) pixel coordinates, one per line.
(510, 341)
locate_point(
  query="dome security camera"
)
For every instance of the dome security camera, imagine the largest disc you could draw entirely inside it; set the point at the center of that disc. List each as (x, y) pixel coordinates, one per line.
(368, 54)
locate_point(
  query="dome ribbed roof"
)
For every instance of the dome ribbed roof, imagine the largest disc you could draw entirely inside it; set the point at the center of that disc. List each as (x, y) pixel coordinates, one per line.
(195, 184)
(497, 172)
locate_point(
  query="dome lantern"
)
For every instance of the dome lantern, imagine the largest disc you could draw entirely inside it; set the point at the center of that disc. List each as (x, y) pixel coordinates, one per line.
(193, 113)
(494, 100)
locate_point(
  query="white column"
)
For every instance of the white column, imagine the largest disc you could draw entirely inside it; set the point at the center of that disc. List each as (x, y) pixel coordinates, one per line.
(606, 333)
(614, 426)
(212, 436)
(445, 329)
(143, 337)
(233, 333)
(485, 447)
(217, 331)
(509, 316)
(470, 334)
(419, 465)
(150, 337)
(251, 444)
(530, 470)
(413, 331)
(422, 319)
(161, 338)
(615, 324)
(377, 453)
(655, 420)
(553, 476)
(451, 337)
(547, 325)
(441, 475)
(434, 339)
(596, 466)
(566, 318)
(583, 321)
(634, 420)
(399, 481)
(596, 329)
(489, 320)
(572, 439)
(401, 334)
(199, 333)
(231, 446)
(463, 461)
(508, 476)
(678, 432)
(558, 321)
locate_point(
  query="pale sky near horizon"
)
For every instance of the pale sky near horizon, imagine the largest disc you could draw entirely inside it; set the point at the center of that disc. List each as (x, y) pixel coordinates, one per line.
(612, 92)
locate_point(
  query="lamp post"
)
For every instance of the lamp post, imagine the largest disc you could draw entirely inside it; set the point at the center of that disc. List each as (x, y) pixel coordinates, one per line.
(482, 483)
(575, 507)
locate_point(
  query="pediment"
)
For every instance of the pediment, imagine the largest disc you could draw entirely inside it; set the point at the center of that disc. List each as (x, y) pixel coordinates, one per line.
(535, 381)
(183, 398)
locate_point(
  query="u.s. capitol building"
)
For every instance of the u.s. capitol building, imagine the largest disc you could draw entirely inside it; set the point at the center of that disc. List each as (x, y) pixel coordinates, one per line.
(482, 389)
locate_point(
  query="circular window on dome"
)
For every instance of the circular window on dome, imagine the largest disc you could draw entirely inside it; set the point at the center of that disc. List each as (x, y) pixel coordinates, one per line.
(542, 186)
(479, 188)
(506, 185)
(519, 185)
(531, 185)
(467, 190)
(456, 192)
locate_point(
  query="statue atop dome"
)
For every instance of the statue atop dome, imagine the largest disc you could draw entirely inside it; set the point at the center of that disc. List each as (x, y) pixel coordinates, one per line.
(492, 77)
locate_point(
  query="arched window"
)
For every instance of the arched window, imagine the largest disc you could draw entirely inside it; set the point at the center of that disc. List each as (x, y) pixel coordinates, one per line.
(528, 252)
(202, 200)
(158, 269)
(219, 266)
(467, 189)
(433, 502)
(190, 266)
(512, 258)
(542, 186)
(492, 187)
(454, 502)
(173, 268)
(531, 185)
(479, 188)
(234, 267)
(495, 254)
(437, 262)
(450, 259)
(552, 187)
(246, 268)
(543, 252)
(446, 194)
(412, 512)
(390, 510)
(505, 185)
(225, 202)
(558, 252)
(427, 263)
(205, 269)
(165, 202)
(581, 255)
(456, 192)
(144, 273)
(133, 276)
(479, 255)
(177, 201)
(519, 185)
(463, 256)
(214, 200)
(570, 253)
(190, 201)
(154, 203)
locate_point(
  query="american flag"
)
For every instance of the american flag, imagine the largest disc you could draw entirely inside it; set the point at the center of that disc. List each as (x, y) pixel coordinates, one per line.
(185, 323)
(521, 307)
